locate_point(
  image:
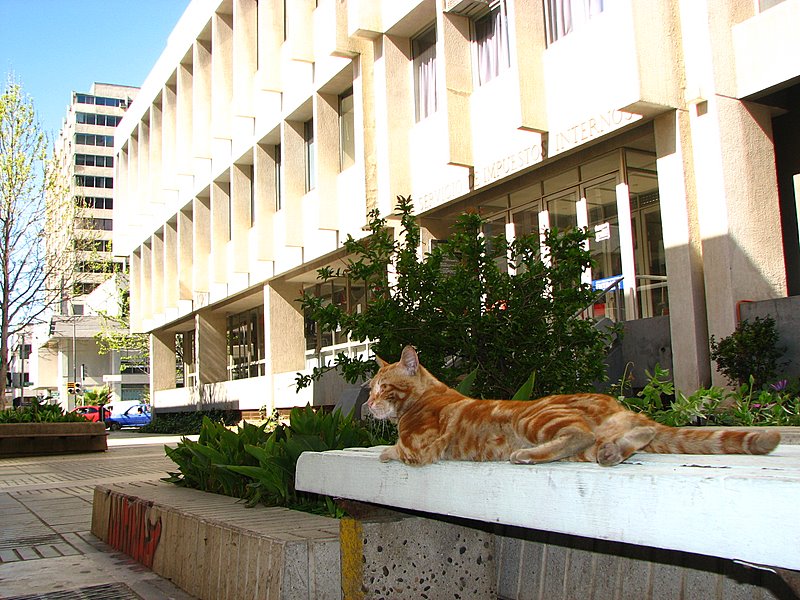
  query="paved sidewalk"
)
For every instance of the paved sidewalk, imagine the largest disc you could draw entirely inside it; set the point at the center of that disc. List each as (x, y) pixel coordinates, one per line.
(46, 549)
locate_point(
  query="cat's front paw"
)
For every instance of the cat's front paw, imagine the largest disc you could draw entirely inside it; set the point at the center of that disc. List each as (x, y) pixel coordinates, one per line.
(609, 454)
(389, 454)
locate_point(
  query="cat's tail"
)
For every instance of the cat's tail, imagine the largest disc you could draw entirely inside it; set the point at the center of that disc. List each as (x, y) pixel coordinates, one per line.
(680, 440)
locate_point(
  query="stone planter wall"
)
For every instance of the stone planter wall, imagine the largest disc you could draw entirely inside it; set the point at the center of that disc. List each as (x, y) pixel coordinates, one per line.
(26, 439)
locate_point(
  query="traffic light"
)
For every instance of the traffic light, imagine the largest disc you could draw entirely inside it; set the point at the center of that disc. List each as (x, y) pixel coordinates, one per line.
(78, 388)
(70, 387)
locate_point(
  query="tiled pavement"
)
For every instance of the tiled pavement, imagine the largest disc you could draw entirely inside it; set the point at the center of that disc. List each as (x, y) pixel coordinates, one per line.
(46, 550)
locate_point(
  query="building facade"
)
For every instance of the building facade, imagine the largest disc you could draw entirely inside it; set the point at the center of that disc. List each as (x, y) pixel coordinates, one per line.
(268, 129)
(67, 354)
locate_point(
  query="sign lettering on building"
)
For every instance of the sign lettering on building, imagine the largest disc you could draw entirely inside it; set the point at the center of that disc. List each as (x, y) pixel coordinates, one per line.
(593, 127)
(449, 191)
(507, 165)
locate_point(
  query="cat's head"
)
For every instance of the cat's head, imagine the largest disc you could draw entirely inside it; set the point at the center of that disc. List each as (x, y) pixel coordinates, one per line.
(394, 386)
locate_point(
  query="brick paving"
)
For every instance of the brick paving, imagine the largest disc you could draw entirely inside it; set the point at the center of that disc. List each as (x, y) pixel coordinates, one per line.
(46, 548)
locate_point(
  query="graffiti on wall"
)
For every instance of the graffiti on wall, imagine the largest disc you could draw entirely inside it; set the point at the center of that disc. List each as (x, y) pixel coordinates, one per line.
(134, 528)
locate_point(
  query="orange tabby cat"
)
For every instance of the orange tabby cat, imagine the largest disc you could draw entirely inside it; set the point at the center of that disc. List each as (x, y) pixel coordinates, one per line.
(437, 422)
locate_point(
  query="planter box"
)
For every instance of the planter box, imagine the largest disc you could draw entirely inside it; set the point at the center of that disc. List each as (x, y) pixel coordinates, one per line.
(25, 439)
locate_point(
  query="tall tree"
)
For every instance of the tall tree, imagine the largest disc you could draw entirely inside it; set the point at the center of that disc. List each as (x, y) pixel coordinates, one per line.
(33, 269)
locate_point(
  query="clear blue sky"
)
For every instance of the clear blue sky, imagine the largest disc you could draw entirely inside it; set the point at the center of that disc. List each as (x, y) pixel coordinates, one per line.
(55, 47)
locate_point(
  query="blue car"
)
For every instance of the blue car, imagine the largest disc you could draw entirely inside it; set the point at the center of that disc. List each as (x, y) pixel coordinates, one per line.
(133, 416)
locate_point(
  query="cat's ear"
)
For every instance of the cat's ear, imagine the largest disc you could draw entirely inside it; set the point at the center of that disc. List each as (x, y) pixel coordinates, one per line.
(381, 363)
(409, 360)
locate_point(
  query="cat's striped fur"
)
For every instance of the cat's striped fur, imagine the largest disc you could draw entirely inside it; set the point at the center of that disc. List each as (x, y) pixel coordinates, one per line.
(436, 422)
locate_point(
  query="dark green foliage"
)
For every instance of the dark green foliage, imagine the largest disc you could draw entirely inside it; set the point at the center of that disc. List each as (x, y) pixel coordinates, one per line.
(259, 466)
(748, 405)
(39, 412)
(750, 351)
(463, 312)
(187, 423)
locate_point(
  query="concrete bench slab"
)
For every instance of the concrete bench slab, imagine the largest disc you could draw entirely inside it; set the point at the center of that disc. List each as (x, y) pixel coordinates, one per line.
(735, 506)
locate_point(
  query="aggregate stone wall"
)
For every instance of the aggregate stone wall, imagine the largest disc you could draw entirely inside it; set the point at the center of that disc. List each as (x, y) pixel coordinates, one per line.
(416, 558)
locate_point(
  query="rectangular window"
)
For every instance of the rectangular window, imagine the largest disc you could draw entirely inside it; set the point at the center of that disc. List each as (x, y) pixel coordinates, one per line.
(565, 16)
(311, 167)
(93, 119)
(90, 139)
(347, 142)
(91, 160)
(491, 39)
(246, 344)
(94, 181)
(278, 177)
(423, 50)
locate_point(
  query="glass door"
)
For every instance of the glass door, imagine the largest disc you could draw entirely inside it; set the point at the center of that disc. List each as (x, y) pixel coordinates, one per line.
(604, 244)
(651, 263)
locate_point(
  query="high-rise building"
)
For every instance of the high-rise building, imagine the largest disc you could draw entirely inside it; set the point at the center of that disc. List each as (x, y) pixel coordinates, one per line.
(267, 129)
(85, 150)
(95, 281)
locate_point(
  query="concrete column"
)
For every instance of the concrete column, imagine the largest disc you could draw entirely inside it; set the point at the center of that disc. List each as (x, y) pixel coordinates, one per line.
(155, 153)
(394, 119)
(157, 268)
(241, 216)
(184, 118)
(171, 276)
(162, 361)
(299, 23)
(222, 75)
(135, 290)
(691, 368)
(220, 230)
(264, 201)
(245, 59)
(211, 348)
(201, 100)
(146, 280)
(270, 40)
(133, 165)
(144, 184)
(285, 341)
(326, 121)
(526, 35)
(294, 178)
(201, 247)
(169, 128)
(184, 253)
(456, 67)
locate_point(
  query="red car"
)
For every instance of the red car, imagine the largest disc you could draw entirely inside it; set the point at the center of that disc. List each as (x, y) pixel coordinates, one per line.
(91, 412)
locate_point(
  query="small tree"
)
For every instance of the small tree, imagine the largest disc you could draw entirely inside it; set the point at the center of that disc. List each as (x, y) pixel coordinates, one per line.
(466, 306)
(115, 334)
(32, 272)
(751, 350)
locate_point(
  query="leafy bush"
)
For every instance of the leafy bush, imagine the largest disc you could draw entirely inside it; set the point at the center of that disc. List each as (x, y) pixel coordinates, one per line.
(188, 423)
(777, 405)
(464, 310)
(750, 351)
(259, 466)
(39, 412)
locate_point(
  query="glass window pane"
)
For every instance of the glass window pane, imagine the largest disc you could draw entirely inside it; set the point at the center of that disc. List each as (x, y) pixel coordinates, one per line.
(600, 166)
(491, 38)
(561, 181)
(347, 142)
(423, 50)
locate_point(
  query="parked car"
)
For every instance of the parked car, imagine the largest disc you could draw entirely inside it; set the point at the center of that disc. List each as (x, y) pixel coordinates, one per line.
(91, 412)
(135, 415)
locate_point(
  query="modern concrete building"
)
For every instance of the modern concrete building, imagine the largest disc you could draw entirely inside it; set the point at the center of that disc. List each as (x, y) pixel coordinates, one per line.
(267, 129)
(66, 352)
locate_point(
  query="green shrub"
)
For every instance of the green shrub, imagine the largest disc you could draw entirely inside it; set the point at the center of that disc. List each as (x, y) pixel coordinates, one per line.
(188, 423)
(39, 412)
(467, 307)
(750, 351)
(259, 465)
(748, 405)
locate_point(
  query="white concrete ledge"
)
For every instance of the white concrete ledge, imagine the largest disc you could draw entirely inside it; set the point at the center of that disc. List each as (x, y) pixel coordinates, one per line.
(735, 507)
